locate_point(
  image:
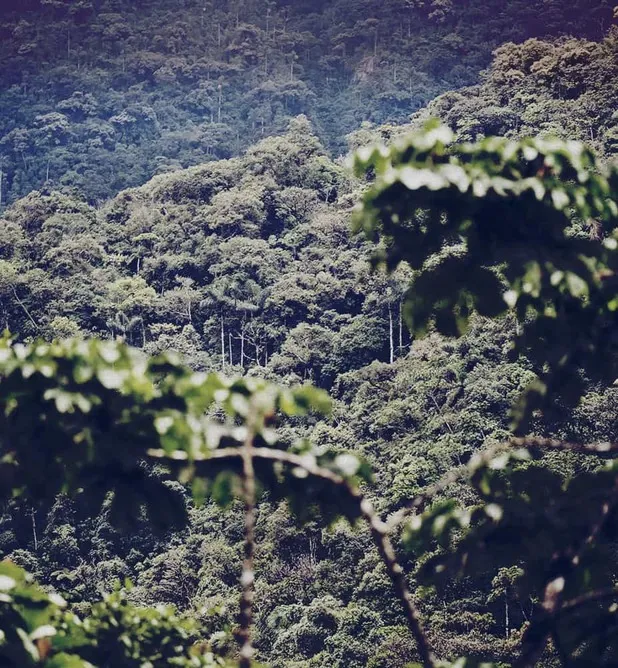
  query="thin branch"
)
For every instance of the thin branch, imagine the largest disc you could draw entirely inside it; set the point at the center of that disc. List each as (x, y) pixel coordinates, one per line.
(379, 533)
(379, 530)
(589, 597)
(601, 449)
(552, 604)
(443, 483)
(19, 301)
(247, 578)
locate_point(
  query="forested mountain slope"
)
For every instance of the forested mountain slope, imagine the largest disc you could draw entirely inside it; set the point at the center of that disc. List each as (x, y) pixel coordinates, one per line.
(565, 87)
(238, 254)
(247, 264)
(103, 94)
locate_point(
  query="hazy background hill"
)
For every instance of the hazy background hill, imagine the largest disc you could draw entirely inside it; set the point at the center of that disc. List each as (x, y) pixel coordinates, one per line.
(103, 94)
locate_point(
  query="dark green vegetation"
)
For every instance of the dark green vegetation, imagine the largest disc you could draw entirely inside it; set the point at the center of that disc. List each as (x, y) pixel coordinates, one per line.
(103, 94)
(535, 532)
(247, 265)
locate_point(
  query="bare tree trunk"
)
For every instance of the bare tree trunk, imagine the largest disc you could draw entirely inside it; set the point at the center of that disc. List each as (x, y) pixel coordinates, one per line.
(506, 612)
(401, 326)
(231, 357)
(34, 536)
(242, 343)
(390, 333)
(222, 343)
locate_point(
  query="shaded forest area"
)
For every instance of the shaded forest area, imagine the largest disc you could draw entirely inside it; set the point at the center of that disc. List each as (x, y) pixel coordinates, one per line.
(100, 95)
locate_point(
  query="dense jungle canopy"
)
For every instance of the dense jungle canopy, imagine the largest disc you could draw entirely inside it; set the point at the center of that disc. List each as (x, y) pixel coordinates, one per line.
(177, 175)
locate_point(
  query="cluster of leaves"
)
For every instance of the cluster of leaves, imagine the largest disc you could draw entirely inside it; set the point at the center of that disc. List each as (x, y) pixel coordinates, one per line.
(489, 226)
(105, 408)
(37, 630)
(96, 410)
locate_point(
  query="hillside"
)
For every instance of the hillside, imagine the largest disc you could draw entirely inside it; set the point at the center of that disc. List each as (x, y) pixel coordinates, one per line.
(100, 95)
(247, 264)
(172, 175)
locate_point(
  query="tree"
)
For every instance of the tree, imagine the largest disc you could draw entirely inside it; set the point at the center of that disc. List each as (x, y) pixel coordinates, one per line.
(437, 204)
(128, 300)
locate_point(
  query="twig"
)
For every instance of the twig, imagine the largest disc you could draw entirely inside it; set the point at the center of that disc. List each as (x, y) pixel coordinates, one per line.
(443, 483)
(602, 449)
(589, 597)
(379, 530)
(19, 301)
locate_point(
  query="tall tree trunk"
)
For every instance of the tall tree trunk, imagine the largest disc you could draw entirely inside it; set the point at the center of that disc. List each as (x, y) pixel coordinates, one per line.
(34, 536)
(242, 343)
(401, 326)
(222, 344)
(506, 613)
(391, 339)
(231, 357)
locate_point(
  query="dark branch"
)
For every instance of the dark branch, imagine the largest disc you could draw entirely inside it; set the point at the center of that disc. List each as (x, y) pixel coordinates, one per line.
(379, 531)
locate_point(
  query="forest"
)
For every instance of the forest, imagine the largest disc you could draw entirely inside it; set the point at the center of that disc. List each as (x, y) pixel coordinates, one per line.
(310, 333)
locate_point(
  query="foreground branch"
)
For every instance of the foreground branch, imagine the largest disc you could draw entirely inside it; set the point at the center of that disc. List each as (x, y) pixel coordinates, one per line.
(601, 449)
(247, 578)
(379, 530)
(552, 604)
(596, 596)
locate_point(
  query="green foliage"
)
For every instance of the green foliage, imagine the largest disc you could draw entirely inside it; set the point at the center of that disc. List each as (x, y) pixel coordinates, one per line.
(116, 633)
(27, 616)
(36, 630)
(488, 226)
(550, 87)
(533, 527)
(245, 265)
(106, 407)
